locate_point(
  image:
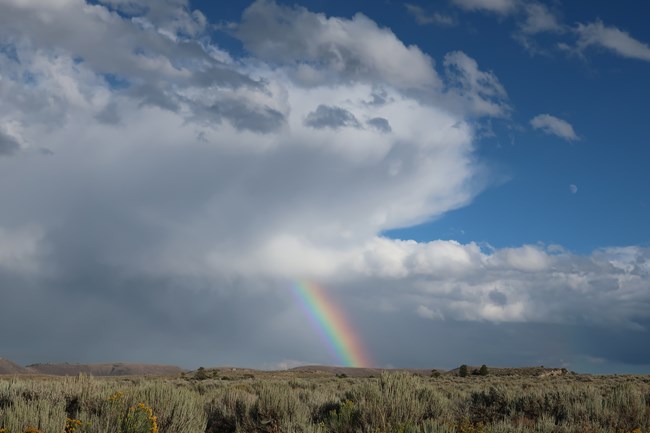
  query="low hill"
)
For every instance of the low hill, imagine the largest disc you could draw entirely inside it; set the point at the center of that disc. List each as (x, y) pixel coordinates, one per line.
(114, 369)
(9, 367)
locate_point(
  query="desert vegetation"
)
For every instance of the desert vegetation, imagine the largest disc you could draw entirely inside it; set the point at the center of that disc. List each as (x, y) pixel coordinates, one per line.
(210, 401)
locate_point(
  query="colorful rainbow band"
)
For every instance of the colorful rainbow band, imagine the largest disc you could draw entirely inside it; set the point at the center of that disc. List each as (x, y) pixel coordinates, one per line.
(328, 319)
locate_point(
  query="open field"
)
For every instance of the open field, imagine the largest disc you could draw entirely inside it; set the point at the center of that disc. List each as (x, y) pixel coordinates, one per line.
(304, 400)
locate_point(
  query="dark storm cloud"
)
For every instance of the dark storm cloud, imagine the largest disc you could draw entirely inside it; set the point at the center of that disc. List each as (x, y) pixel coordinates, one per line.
(100, 318)
(194, 321)
(326, 116)
(618, 345)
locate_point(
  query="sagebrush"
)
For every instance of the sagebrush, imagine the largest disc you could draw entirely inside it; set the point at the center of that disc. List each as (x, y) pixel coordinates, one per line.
(393, 402)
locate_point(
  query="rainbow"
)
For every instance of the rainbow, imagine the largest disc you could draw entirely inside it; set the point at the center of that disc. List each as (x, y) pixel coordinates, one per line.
(328, 319)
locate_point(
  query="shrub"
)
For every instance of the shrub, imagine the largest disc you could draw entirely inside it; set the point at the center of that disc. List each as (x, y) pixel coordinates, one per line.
(201, 374)
(489, 407)
(73, 425)
(139, 419)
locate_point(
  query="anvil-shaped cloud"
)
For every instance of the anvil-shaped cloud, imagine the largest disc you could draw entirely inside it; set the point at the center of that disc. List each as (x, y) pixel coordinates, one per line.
(153, 180)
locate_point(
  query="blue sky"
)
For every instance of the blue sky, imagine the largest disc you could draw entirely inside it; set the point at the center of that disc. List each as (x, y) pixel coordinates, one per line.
(470, 174)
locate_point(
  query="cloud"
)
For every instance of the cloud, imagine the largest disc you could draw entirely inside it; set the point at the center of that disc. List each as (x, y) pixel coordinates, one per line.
(244, 115)
(516, 284)
(423, 18)
(428, 313)
(8, 144)
(481, 91)
(189, 188)
(533, 19)
(317, 49)
(331, 117)
(502, 7)
(20, 248)
(498, 297)
(447, 280)
(168, 143)
(554, 126)
(611, 38)
(380, 124)
(172, 18)
(151, 54)
(539, 19)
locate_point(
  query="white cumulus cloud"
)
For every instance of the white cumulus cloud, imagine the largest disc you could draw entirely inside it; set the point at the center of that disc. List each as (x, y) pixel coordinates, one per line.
(613, 39)
(422, 17)
(481, 92)
(498, 6)
(554, 126)
(317, 49)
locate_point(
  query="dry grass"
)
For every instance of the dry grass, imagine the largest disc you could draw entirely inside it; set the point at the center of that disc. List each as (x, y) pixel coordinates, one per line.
(393, 402)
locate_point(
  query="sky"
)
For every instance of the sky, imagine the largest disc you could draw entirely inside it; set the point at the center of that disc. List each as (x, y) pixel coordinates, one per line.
(462, 181)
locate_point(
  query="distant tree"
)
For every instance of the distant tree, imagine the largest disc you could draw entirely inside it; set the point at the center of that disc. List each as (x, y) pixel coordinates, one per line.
(201, 374)
(463, 371)
(435, 373)
(483, 371)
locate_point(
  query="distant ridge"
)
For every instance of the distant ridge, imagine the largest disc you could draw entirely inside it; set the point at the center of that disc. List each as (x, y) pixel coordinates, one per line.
(107, 369)
(9, 367)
